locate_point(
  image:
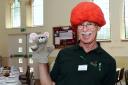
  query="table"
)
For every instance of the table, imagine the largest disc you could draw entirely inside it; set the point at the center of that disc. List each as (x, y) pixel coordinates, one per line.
(13, 79)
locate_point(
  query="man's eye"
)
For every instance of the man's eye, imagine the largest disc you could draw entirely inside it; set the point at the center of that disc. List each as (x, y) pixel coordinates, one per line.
(89, 24)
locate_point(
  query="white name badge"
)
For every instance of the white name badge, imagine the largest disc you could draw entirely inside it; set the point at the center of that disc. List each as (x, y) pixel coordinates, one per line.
(82, 67)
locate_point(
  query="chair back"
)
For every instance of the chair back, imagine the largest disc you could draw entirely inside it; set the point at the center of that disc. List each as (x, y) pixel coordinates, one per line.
(117, 75)
(28, 75)
(27, 71)
(121, 74)
(126, 77)
(32, 80)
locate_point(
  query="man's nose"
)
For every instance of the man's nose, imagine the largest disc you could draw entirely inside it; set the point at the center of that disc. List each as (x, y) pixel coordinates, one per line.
(85, 28)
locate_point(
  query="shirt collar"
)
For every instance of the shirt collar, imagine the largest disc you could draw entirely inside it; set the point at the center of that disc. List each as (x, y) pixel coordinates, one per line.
(97, 50)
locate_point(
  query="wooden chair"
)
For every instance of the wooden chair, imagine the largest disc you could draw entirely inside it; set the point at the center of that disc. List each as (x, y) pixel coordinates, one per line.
(24, 78)
(120, 76)
(31, 79)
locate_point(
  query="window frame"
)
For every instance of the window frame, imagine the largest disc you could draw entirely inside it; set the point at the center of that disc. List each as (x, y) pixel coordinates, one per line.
(11, 14)
(125, 25)
(32, 22)
(104, 27)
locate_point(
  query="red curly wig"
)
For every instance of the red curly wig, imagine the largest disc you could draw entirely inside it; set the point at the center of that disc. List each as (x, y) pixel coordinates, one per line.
(87, 11)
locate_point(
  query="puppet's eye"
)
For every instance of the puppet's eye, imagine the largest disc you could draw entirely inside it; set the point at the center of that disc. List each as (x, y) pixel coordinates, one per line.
(42, 37)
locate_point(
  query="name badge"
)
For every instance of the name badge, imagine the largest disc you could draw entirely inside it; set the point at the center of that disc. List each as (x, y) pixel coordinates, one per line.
(82, 68)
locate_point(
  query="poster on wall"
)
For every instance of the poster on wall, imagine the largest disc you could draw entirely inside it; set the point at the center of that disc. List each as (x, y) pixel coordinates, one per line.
(64, 36)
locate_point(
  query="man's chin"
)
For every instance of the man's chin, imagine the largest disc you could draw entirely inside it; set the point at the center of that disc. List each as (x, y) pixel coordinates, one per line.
(88, 41)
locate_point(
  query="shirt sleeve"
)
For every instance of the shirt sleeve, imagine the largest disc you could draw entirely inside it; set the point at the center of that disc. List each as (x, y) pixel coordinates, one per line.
(110, 77)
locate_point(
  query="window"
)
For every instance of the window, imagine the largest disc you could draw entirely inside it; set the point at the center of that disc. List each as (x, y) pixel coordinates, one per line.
(20, 49)
(30, 50)
(15, 13)
(37, 12)
(126, 18)
(20, 40)
(20, 60)
(21, 69)
(104, 33)
(30, 60)
(31, 69)
(19, 46)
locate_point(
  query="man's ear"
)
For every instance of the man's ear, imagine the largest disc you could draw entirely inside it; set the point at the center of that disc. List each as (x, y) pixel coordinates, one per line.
(98, 28)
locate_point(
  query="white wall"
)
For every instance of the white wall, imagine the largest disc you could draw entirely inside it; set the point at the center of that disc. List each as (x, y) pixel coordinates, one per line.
(57, 13)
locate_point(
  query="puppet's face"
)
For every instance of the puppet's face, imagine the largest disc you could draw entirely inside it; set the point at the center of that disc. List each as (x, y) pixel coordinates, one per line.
(38, 38)
(43, 38)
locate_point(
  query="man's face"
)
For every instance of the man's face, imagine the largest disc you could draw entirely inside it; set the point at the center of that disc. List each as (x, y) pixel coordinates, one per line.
(87, 32)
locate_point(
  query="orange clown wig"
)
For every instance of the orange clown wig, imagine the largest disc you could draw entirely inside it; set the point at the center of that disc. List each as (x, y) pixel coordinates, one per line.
(87, 11)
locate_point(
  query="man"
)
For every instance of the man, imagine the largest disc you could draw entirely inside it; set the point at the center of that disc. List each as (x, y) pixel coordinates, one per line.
(85, 63)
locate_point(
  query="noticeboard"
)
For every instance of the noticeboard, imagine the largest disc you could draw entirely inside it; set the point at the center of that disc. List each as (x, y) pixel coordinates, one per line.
(64, 36)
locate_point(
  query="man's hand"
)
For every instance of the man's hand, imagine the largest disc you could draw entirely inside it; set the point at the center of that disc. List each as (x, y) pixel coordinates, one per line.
(45, 78)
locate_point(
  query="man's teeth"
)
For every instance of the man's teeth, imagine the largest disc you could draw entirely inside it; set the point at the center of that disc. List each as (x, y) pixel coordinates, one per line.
(86, 33)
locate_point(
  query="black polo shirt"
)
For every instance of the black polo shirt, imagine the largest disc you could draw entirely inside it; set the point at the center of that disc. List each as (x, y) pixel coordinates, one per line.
(73, 66)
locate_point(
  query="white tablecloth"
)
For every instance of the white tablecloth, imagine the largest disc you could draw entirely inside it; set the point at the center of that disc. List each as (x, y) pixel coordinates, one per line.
(13, 79)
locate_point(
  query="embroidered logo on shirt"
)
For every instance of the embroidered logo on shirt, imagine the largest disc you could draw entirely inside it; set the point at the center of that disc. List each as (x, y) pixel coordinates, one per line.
(96, 64)
(99, 66)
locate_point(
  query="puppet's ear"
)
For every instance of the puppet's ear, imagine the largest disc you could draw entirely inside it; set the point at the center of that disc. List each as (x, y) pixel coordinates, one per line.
(33, 37)
(46, 34)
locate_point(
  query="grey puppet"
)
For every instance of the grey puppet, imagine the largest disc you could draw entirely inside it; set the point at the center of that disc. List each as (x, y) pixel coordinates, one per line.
(39, 46)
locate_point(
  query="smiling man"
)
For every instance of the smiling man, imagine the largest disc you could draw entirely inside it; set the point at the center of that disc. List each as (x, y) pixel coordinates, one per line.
(85, 63)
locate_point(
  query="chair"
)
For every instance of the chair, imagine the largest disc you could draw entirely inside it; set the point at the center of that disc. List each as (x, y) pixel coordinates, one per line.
(126, 76)
(120, 76)
(31, 79)
(24, 78)
(117, 76)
